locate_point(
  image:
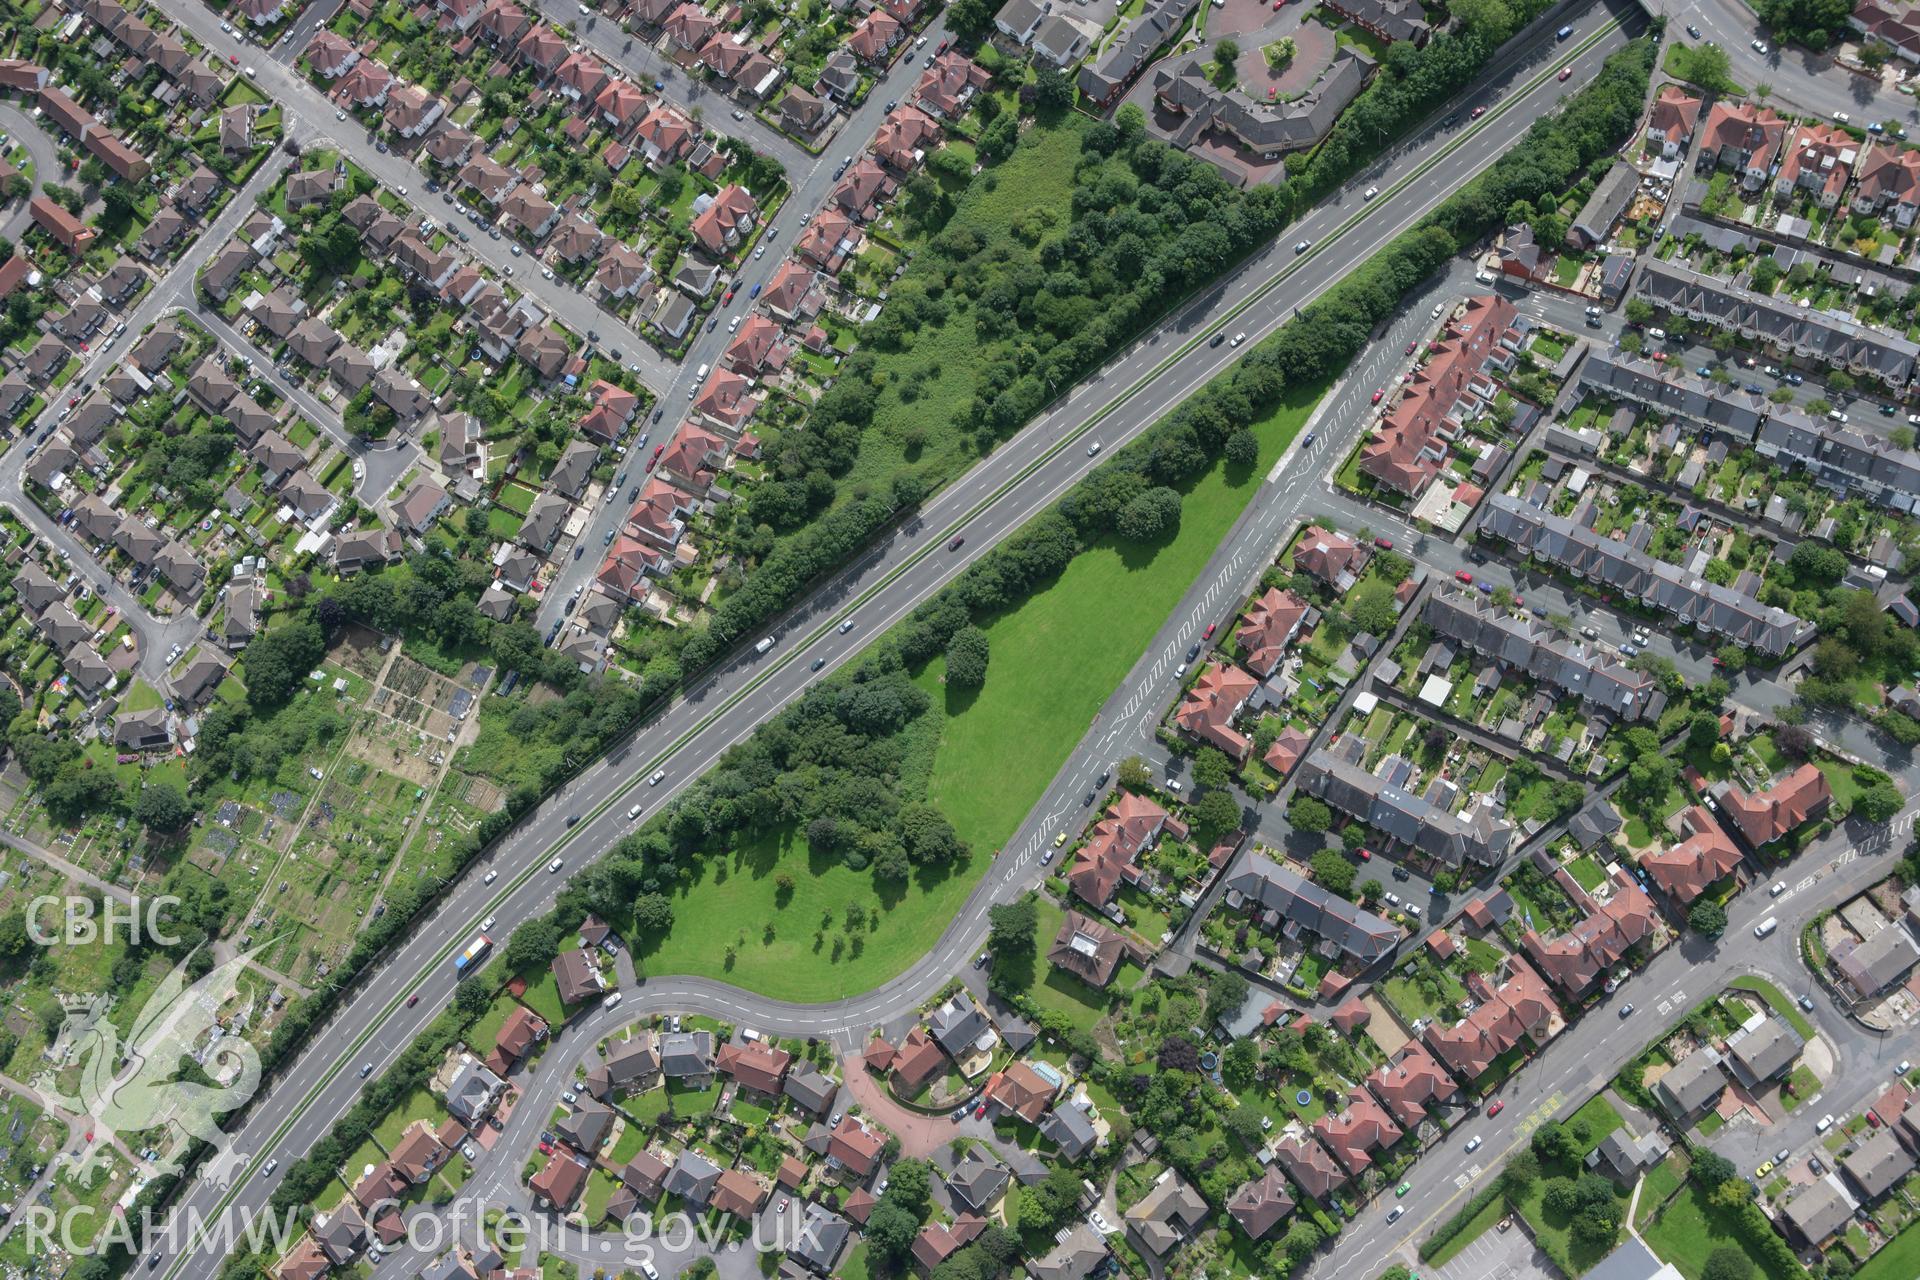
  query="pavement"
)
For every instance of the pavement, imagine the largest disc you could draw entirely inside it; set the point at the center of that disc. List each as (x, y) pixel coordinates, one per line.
(1134, 390)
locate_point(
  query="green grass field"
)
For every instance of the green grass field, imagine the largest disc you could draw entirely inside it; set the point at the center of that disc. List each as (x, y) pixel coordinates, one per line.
(1899, 1260)
(1691, 1229)
(996, 752)
(1037, 180)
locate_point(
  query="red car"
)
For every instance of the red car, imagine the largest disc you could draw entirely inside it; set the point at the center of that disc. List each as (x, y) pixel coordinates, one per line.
(1366, 855)
(1411, 346)
(1478, 112)
(1498, 1106)
(1377, 395)
(413, 1000)
(728, 300)
(657, 451)
(1385, 544)
(1210, 627)
(980, 1111)
(941, 47)
(1463, 576)
(1565, 72)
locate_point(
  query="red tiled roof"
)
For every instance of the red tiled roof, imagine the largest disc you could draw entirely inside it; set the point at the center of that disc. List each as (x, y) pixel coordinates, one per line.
(1765, 817)
(1686, 870)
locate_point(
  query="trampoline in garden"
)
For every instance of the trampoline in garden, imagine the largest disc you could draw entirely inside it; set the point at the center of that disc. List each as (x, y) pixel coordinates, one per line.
(1304, 1097)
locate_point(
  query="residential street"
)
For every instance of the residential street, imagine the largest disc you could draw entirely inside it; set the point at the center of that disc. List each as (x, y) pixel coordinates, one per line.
(174, 291)
(996, 497)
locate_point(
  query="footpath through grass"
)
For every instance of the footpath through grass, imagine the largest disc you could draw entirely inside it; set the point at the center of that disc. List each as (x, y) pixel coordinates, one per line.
(987, 760)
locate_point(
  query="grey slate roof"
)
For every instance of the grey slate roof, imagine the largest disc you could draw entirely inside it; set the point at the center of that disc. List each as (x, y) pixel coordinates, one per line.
(1623, 567)
(1523, 643)
(1264, 883)
(1403, 816)
(1840, 341)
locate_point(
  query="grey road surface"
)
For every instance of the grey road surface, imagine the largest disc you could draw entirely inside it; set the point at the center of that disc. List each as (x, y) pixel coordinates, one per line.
(999, 495)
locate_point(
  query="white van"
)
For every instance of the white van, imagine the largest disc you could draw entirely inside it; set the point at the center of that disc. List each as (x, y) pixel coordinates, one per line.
(1766, 926)
(766, 643)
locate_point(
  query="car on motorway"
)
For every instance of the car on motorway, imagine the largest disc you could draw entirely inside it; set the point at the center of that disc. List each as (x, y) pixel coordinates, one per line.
(1093, 448)
(1371, 192)
(1477, 112)
(270, 1166)
(1239, 338)
(366, 1069)
(819, 663)
(659, 776)
(413, 1000)
(1302, 247)
(554, 866)
(1500, 1104)
(487, 924)
(957, 543)
(1216, 339)
(1566, 73)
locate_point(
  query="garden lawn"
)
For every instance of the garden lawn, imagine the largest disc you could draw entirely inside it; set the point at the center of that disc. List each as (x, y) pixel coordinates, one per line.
(997, 751)
(1691, 1229)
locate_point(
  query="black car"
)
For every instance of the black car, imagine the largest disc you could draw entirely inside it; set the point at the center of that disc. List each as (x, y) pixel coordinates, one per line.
(1216, 339)
(1088, 801)
(573, 819)
(1104, 775)
(1193, 653)
(819, 663)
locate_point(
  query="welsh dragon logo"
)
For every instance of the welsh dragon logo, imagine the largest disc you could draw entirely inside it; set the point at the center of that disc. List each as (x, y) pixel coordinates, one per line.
(133, 1087)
